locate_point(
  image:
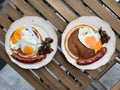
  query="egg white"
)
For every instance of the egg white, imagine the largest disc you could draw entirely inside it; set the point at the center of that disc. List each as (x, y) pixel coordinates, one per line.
(28, 38)
(85, 32)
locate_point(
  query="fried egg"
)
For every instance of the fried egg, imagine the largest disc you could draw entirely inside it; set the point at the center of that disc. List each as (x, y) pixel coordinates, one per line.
(90, 38)
(25, 39)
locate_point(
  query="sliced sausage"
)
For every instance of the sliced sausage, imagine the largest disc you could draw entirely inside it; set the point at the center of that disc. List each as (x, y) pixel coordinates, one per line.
(94, 58)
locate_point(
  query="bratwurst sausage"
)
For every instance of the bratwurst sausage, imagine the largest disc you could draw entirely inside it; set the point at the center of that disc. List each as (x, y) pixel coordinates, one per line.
(27, 59)
(94, 58)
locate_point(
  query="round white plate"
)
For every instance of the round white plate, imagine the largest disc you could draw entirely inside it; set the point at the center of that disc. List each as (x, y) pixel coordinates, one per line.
(97, 23)
(44, 28)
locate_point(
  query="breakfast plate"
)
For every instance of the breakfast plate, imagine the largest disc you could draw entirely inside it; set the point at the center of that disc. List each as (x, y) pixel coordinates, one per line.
(84, 25)
(34, 37)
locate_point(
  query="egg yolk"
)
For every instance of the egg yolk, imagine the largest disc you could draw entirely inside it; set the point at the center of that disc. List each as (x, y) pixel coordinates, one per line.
(17, 35)
(28, 50)
(92, 43)
(98, 45)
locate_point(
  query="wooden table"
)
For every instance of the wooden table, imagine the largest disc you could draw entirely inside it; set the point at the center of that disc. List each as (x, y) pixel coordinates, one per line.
(59, 74)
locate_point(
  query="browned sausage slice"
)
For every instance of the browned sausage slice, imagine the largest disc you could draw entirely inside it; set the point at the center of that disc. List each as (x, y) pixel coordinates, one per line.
(94, 58)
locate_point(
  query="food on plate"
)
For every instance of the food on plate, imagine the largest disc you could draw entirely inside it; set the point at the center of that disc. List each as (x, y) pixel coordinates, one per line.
(88, 42)
(31, 42)
(84, 43)
(25, 43)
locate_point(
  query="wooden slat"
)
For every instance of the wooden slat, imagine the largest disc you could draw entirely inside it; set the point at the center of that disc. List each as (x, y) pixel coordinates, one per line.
(74, 71)
(113, 6)
(93, 73)
(78, 6)
(24, 73)
(104, 14)
(24, 7)
(118, 44)
(49, 80)
(47, 12)
(4, 21)
(116, 86)
(62, 9)
(11, 11)
(65, 79)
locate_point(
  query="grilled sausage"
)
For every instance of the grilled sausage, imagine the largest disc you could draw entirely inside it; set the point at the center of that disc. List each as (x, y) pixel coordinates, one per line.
(94, 58)
(27, 59)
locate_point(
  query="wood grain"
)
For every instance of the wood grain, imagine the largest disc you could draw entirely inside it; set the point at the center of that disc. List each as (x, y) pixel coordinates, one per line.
(49, 80)
(74, 71)
(65, 79)
(62, 9)
(47, 12)
(11, 11)
(112, 5)
(104, 14)
(78, 6)
(24, 7)
(4, 21)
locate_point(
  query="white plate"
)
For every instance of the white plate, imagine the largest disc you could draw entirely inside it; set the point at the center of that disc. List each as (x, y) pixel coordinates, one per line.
(44, 28)
(97, 23)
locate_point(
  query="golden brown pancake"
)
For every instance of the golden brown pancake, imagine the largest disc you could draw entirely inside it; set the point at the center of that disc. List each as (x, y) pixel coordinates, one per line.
(73, 45)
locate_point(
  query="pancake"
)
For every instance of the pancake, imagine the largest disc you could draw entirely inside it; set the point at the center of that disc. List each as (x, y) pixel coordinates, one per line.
(73, 45)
